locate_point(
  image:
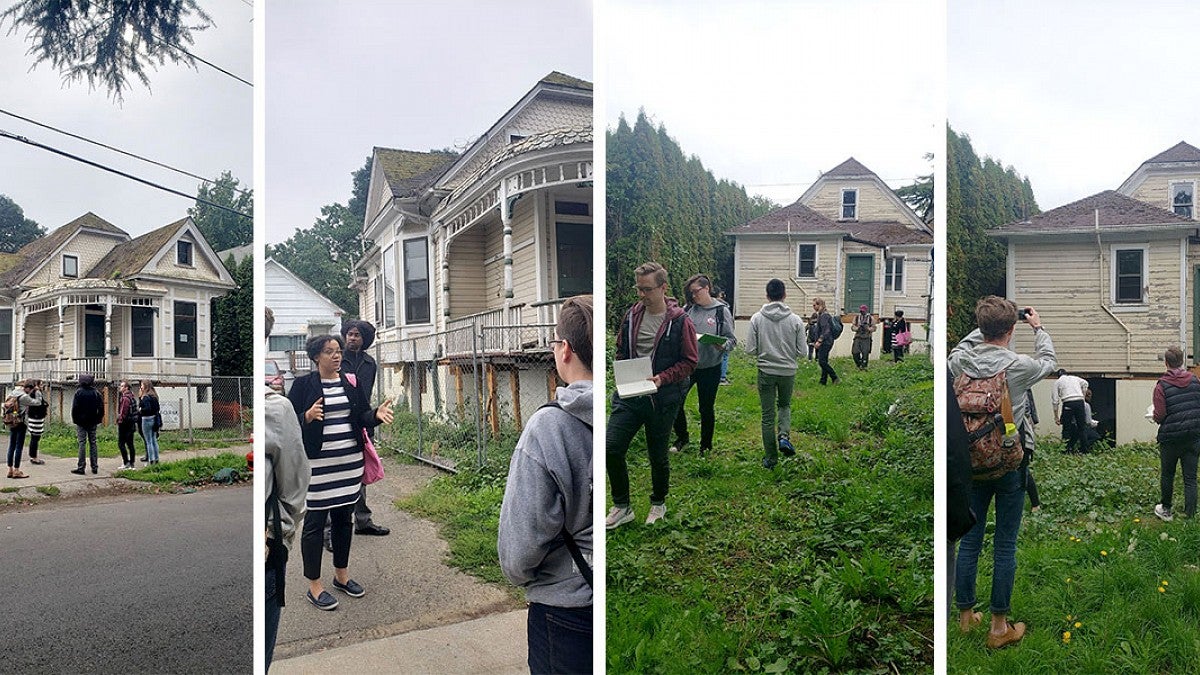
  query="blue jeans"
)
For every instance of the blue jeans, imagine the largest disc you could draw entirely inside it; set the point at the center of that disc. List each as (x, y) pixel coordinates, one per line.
(1009, 491)
(86, 437)
(560, 639)
(151, 438)
(272, 614)
(724, 365)
(16, 445)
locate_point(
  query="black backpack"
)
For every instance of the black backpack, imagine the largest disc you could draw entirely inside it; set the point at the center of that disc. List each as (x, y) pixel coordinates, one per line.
(837, 326)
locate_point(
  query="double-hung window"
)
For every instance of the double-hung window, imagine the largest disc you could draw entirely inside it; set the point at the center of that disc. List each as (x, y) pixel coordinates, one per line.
(806, 261)
(893, 274)
(1183, 199)
(1129, 274)
(850, 204)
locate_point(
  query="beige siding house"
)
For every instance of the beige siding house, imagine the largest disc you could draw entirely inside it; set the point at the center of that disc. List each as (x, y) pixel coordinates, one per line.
(848, 240)
(474, 252)
(1114, 278)
(87, 298)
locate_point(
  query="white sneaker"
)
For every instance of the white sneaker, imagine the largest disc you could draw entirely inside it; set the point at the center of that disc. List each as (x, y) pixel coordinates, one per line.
(1163, 514)
(657, 512)
(618, 516)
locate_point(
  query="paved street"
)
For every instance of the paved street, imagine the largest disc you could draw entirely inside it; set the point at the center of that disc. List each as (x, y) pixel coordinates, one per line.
(129, 584)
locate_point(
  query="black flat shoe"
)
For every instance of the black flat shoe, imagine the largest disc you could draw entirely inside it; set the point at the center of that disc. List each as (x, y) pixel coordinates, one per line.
(373, 529)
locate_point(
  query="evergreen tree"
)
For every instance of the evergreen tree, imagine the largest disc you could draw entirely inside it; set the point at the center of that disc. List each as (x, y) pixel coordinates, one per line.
(15, 229)
(980, 195)
(233, 322)
(224, 230)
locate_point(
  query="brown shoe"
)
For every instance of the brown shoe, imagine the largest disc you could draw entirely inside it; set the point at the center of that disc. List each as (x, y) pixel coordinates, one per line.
(968, 621)
(10, 472)
(16, 473)
(36, 460)
(1012, 635)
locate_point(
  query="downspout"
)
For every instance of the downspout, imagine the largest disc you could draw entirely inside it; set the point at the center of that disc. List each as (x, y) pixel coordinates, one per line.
(1183, 272)
(1100, 298)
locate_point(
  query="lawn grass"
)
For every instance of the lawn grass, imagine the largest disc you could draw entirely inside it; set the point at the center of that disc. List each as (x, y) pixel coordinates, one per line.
(824, 564)
(191, 471)
(59, 440)
(1096, 556)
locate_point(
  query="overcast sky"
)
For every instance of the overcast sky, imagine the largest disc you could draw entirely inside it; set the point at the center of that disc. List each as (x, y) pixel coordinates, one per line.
(770, 94)
(345, 77)
(197, 120)
(1074, 95)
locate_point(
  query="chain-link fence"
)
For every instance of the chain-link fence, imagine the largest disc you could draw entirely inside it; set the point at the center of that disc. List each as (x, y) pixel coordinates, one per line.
(196, 408)
(463, 396)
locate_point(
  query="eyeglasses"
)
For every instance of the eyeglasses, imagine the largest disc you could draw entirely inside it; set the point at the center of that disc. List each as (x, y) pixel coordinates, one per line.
(558, 342)
(646, 289)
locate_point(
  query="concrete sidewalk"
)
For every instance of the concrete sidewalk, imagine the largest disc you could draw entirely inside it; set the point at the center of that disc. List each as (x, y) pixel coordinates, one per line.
(491, 644)
(57, 472)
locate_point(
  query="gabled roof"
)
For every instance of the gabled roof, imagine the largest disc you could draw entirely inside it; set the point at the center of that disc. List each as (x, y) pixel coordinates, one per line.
(1180, 152)
(132, 257)
(333, 306)
(408, 171)
(794, 217)
(887, 233)
(850, 168)
(564, 80)
(35, 254)
(1116, 212)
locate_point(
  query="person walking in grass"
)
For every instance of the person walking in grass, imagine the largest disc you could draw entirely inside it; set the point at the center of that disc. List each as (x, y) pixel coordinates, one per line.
(710, 317)
(776, 339)
(87, 411)
(985, 355)
(127, 419)
(148, 415)
(1067, 398)
(825, 340)
(811, 333)
(35, 421)
(903, 336)
(24, 398)
(545, 534)
(658, 328)
(863, 326)
(1177, 411)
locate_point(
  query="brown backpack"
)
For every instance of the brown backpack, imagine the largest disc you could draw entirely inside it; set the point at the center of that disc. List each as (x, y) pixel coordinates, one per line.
(12, 412)
(982, 402)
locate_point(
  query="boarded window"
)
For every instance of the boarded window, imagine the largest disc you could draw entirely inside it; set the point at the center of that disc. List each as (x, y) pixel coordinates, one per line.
(1183, 199)
(893, 278)
(849, 204)
(185, 330)
(807, 260)
(142, 320)
(1130, 275)
(416, 281)
(6, 334)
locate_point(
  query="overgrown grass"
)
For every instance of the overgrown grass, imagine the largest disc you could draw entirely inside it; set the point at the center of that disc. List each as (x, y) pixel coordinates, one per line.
(824, 564)
(59, 440)
(1096, 562)
(191, 471)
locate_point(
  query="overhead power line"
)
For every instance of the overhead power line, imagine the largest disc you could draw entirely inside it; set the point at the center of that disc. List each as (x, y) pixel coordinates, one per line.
(210, 64)
(109, 147)
(118, 172)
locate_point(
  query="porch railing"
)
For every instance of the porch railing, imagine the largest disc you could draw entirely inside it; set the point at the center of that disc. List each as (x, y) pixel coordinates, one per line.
(106, 368)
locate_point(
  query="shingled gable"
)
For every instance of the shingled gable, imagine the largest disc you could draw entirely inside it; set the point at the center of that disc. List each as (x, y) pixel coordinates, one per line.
(1116, 212)
(1180, 157)
(38, 252)
(407, 172)
(852, 169)
(132, 258)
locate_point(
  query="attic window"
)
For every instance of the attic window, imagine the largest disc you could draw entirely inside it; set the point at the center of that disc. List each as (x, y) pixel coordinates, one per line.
(70, 266)
(850, 204)
(183, 253)
(516, 138)
(1183, 199)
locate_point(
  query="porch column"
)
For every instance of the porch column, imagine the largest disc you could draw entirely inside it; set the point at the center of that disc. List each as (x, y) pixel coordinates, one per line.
(62, 348)
(108, 335)
(444, 254)
(19, 337)
(506, 221)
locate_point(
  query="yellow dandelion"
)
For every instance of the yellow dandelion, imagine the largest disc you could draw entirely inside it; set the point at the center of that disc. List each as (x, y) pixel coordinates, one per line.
(1069, 617)
(1164, 583)
(1068, 580)
(1066, 636)
(1103, 552)
(1078, 624)
(1137, 520)
(1161, 589)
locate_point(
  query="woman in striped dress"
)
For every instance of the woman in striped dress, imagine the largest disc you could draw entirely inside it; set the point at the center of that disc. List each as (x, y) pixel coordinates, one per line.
(35, 422)
(333, 416)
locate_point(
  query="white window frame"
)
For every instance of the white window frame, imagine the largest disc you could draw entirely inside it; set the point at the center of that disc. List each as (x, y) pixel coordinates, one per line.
(63, 266)
(153, 332)
(903, 285)
(402, 289)
(191, 253)
(397, 311)
(816, 259)
(12, 334)
(1112, 275)
(842, 204)
(1171, 195)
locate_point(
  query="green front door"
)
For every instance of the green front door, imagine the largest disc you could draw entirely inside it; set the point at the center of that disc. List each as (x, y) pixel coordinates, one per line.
(860, 282)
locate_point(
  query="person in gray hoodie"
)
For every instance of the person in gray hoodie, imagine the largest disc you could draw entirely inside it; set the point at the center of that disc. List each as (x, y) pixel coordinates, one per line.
(712, 317)
(545, 537)
(777, 338)
(984, 354)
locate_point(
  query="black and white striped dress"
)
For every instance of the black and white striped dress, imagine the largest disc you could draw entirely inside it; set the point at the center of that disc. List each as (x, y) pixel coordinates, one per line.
(337, 473)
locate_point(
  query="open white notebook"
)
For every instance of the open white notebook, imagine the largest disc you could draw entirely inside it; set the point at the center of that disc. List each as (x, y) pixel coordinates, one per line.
(631, 376)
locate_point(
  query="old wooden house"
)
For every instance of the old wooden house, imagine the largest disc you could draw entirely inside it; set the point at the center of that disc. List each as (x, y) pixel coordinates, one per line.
(848, 240)
(1114, 277)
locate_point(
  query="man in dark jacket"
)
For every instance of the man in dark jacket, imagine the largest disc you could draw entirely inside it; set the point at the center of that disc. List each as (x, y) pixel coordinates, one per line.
(87, 411)
(656, 327)
(359, 336)
(1177, 411)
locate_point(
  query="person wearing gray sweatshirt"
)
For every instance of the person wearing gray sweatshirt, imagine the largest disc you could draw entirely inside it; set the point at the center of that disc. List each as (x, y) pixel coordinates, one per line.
(984, 354)
(545, 534)
(777, 338)
(711, 317)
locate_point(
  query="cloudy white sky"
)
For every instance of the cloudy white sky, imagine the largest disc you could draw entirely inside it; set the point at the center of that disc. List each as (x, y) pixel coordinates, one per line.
(1074, 96)
(196, 120)
(345, 77)
(770, 94)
